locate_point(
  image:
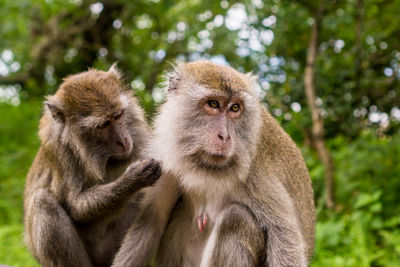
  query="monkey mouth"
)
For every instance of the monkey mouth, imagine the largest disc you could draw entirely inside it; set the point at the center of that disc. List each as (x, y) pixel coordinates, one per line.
(121, 155)
(212, 161)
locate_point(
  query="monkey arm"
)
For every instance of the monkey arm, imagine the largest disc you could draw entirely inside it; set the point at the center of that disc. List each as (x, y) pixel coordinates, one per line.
(46, 222)
(236, 239)
(103, 199)
(143, 237)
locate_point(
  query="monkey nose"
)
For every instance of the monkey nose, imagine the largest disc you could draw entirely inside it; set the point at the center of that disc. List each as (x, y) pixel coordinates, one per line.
(123, 144)
(224, 137)
(120, 144)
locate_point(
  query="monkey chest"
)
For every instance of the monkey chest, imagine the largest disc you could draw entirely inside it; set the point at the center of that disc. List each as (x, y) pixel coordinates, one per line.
(186, 236)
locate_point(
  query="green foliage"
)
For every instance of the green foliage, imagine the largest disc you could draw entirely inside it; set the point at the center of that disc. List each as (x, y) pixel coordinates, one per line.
(13, 251)
(19, 143)
(365, 229)
(350, 73)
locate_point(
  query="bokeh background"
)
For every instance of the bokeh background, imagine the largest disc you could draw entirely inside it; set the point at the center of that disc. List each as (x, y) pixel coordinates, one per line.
(328, 69)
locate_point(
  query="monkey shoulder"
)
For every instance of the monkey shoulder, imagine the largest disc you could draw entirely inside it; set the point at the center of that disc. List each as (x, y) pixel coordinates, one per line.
(40, 174)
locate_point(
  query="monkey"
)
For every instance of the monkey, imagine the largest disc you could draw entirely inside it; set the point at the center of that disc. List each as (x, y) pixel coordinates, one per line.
(238, 191)
(82, 189)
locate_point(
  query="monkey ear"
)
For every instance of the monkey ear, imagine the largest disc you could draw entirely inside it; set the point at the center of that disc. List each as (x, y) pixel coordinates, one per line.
(252, 77)
(254, 83)
(115, 71)
(174, 77)
(56, 111)
(173, 82)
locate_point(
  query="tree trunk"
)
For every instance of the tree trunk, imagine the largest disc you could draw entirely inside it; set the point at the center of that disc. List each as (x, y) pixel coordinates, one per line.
(317, 120)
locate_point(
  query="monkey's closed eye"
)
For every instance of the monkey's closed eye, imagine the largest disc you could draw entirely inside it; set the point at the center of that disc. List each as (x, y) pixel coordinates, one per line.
(235, 108)
(117, 117)
(213, 103)
(104, 125)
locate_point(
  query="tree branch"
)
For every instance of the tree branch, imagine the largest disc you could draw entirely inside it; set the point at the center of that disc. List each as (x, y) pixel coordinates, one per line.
(318, 122)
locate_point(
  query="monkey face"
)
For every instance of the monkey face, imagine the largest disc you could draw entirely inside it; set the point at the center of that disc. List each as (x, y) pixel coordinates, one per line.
(220, 119)
(114, 134)
(217, 143)
(213, 126)
(105, 136)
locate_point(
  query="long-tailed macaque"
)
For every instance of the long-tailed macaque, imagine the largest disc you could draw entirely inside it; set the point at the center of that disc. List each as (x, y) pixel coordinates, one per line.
(79, 194)
(245, 193)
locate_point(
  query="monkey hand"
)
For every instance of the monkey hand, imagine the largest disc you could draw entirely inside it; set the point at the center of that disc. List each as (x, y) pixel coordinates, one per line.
(144, 172)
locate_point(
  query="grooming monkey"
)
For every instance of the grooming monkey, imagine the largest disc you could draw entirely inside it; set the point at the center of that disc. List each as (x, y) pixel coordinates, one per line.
(78, 197)
(245, 193)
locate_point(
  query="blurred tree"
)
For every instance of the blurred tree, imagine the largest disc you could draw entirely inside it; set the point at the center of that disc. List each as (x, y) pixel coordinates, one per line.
(357, 68)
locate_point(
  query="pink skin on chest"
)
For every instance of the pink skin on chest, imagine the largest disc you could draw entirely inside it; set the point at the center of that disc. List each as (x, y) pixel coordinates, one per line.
(202, 222)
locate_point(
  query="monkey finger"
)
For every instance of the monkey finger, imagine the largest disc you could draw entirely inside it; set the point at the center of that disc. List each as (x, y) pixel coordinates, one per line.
(138, 167)
(152, 172)
(149, 165)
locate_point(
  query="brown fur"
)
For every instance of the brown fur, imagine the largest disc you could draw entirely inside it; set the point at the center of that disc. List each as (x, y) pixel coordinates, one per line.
(79, 197)
(215, 77)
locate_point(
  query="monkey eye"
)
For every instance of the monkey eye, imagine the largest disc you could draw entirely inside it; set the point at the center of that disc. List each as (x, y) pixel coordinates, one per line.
(104, 125)
(117, 117)
(213, 103)
(235, 108)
